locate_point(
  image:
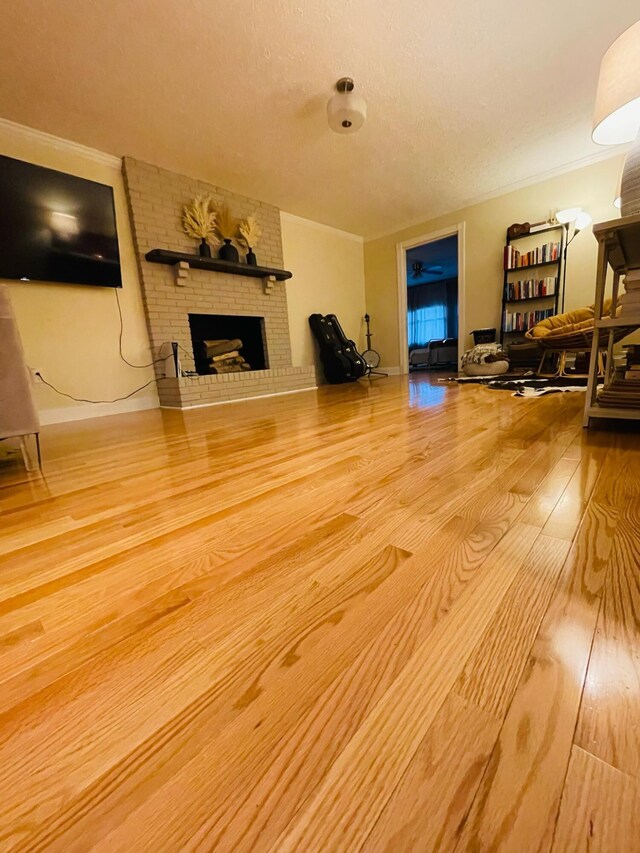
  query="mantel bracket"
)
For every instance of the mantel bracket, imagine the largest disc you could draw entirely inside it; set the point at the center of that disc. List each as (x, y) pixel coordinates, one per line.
(181, 270)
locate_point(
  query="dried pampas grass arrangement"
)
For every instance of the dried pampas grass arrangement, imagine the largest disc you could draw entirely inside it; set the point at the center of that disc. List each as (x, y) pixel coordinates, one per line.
(250, 232)
(199, 218)
(226, 224)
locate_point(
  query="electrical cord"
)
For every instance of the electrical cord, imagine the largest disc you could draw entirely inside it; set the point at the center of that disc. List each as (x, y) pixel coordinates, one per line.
(136, 366)
(128, 363)
(83, 399)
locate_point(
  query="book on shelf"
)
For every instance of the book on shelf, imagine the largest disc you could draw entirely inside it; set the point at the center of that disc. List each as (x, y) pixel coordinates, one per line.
(632, 280)
(548, 253)
(531, 288)
(523, 321)
(631, 297)
(620, 392)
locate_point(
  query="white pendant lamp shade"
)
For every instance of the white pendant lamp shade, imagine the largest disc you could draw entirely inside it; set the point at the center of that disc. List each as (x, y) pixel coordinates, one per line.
(346, 111)
(617, 113)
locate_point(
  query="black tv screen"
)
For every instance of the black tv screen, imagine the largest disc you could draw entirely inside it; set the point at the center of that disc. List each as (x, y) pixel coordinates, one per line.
(56, 227)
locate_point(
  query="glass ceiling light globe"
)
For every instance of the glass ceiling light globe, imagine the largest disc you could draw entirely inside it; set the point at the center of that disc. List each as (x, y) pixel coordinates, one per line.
(564, 217)
(346, 111)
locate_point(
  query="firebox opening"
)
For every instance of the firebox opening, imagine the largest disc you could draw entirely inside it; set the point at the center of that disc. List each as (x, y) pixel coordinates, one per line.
(227, 343)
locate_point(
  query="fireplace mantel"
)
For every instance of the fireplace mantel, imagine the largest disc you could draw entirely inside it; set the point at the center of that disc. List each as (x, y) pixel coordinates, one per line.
(166, 256)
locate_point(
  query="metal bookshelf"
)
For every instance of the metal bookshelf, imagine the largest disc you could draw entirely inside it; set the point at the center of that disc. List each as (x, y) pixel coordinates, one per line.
(547, 301)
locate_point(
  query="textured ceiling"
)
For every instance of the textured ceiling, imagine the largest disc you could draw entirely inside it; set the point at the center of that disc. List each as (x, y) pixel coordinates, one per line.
(465, 97)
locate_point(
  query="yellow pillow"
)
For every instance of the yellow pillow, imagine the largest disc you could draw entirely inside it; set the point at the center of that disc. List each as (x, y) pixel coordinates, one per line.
(559, 323)
(572, 327)
(571, 321)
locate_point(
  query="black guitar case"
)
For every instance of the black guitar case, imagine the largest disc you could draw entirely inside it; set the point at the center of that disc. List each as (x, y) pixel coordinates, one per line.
(348, 348)
(340, 361)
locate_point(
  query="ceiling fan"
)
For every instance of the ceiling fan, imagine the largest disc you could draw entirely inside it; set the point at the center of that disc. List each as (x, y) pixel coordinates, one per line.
(419, 269)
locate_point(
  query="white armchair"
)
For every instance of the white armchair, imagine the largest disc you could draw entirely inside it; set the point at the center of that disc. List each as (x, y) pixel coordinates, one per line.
(18, 415)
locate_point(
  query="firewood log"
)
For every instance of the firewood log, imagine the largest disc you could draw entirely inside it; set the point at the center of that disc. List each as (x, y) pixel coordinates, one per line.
(215, 348)
(227, 361)
(225, 356)
(226, 368)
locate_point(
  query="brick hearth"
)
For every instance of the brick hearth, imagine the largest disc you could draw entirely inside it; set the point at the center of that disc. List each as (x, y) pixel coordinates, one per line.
(156, 198)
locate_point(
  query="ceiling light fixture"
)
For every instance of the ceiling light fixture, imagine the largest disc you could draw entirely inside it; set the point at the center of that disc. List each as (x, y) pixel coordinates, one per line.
(346, 111)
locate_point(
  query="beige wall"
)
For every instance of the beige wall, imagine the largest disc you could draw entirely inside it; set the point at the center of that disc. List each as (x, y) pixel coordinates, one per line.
(592, 188)
(70, 332)
(328, 278)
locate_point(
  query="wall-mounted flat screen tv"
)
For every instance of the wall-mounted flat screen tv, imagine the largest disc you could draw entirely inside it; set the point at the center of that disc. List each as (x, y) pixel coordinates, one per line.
(55, 227)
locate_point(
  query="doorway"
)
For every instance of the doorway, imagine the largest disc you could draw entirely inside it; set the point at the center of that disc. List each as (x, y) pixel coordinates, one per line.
(431, 300)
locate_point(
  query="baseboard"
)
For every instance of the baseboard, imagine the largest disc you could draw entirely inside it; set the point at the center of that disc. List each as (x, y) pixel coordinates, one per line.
(95, 410)
(392, 371)
(238, 400)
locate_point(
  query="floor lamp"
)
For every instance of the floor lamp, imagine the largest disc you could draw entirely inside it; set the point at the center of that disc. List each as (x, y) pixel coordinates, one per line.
(573, 220)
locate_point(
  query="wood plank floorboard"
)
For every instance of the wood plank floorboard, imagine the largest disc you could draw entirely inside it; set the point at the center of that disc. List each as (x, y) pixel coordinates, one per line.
(600, 808)
(390, 616)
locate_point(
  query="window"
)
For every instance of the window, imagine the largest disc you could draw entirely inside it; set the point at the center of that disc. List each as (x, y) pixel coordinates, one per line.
(427, 320)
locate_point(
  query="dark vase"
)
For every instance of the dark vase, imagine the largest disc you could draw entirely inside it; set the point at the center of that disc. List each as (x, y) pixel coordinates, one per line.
(228, 252)
(252, 261)
(204, 248)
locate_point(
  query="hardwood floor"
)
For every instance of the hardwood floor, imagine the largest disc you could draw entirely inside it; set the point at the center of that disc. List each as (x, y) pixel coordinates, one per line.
(387, 617)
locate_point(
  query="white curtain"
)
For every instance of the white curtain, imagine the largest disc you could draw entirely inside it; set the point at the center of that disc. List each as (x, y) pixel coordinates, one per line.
(427, 314)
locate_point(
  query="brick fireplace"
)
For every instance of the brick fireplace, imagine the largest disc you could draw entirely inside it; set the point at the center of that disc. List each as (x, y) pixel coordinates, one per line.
(174, 297)
(249, 330)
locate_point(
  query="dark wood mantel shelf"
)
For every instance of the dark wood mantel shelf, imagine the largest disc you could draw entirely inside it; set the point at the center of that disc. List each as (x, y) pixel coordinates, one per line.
(165, 256)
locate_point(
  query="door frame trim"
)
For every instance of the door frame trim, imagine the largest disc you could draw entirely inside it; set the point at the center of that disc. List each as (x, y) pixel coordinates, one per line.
(401, 264)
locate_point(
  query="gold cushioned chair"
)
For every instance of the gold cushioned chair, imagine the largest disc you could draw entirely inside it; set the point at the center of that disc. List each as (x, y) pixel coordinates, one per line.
(572, 332)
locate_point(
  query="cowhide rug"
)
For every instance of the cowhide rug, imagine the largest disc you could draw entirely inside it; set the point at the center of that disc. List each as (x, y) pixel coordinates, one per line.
(522, 385)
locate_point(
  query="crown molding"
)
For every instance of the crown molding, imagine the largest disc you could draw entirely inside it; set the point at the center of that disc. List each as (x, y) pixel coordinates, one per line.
(598, 156)
(59, 144)
(320, 226)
